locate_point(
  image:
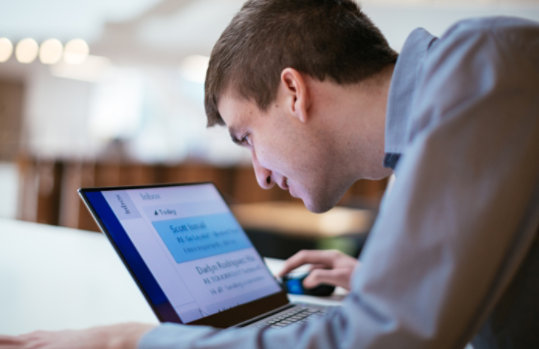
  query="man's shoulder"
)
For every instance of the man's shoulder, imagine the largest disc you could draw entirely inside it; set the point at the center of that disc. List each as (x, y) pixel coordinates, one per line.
(501, 27)
(495, 23)
(485, 41)
(470, 66)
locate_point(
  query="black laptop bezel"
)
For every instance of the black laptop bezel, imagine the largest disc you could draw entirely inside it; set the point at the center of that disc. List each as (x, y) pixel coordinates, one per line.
(227, 318)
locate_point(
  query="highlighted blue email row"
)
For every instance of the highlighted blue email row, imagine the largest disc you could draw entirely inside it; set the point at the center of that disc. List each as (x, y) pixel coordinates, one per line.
(198, 237)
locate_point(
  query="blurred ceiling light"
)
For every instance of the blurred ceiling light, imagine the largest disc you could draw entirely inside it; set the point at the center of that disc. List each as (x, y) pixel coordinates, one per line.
(50, 51)
(26, 50)
(76, 51)
(6, 49)
(193, 68)
(92, 69)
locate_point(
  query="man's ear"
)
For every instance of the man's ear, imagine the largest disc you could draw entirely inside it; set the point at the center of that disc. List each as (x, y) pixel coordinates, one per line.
(296, 92)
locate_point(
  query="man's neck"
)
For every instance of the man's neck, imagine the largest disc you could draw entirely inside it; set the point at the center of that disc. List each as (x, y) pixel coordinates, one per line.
(367, 102)
(350, 118)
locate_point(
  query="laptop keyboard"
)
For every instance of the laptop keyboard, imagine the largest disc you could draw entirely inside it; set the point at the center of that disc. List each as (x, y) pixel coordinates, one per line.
(293, 315)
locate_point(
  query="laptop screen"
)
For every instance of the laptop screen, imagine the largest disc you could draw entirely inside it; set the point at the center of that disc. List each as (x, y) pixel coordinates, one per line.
(184, 248)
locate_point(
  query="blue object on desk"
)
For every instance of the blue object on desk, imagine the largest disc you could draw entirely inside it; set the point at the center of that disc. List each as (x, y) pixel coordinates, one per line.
(294, 285)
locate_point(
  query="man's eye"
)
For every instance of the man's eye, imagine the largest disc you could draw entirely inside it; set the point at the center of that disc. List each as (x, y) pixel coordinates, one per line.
(245, 140)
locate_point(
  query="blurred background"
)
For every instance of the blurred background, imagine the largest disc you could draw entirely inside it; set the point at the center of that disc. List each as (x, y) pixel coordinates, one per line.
(111, 93)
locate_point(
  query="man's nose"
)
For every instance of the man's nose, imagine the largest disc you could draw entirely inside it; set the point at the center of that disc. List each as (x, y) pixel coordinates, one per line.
(263, 175)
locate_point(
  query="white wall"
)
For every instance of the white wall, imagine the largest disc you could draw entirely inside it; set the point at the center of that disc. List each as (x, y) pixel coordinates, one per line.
(397, 21)
(57, 110)
(55, 113)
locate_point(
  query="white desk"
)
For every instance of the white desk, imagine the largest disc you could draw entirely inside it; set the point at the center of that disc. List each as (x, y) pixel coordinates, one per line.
(55, 278)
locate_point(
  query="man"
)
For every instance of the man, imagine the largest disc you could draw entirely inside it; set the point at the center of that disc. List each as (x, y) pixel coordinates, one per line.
(314, 91)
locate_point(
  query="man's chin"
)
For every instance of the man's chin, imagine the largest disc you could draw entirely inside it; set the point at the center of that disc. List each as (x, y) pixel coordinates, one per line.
(317, 207)
(321, 201)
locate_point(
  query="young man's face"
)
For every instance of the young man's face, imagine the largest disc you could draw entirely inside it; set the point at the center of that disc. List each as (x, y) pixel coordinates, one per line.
(285, 151)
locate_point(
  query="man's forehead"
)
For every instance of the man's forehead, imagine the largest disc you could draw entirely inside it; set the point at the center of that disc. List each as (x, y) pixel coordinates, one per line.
(235, 110)
(235, 113)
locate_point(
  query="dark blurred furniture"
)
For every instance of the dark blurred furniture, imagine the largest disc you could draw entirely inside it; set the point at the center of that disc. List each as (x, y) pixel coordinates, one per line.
(280, 229)
(48, 194)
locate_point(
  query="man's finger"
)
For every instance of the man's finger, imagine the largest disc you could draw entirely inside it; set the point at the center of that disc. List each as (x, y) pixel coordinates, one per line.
(307, 257)
(336, 277)
(9, 342)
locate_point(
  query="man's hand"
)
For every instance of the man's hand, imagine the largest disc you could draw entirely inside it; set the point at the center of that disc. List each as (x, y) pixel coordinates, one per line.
(115, 337)
(330, 267)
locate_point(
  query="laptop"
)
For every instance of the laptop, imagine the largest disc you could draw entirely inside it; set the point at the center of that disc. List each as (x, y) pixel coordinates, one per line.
(190, 257)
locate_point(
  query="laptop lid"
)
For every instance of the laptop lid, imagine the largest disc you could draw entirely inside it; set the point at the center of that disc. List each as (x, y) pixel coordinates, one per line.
(187, 253)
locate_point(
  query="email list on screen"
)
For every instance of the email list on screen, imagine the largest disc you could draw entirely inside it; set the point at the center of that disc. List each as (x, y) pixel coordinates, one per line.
(193, 246)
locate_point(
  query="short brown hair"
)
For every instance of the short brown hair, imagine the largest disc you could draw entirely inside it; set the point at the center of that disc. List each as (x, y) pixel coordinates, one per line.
(321, 38)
